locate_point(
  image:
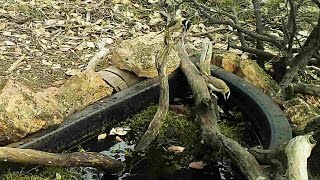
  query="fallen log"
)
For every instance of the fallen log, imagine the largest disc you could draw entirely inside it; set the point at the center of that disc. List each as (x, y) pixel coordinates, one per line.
(76, 159)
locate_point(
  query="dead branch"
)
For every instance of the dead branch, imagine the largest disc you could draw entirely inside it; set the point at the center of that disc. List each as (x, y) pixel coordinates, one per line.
(158, 119)
(206, 108)
(298, 150)
(309, 89)
(97, 58)
(292, 155)
(278, 42)
(311, 46)
(258, 52)
(15, 64)
(209, 32)
(76, 159)
(236, 21)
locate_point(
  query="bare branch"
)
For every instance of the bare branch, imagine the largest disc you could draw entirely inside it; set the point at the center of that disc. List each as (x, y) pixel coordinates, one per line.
(258, 52)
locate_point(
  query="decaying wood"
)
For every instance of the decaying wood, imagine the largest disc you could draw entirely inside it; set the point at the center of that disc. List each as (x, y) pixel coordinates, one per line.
(205, 58)
(206, 108)
(293, 154)
(298, 150)
(158, 119)
(76, 159)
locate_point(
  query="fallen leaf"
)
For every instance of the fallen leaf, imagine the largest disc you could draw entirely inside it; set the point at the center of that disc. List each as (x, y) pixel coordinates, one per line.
(119, 139)
(102, 136)
(179, 108)
(119, 131)
(91, 45)
(47, 63)
(56, 66)
(197, 165)
(153, 1)
(8, 43)
(176, 149)
(2, 26)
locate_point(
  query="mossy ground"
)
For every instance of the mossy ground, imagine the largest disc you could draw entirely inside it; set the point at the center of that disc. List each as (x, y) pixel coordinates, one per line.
(47, 173)
(179, 130)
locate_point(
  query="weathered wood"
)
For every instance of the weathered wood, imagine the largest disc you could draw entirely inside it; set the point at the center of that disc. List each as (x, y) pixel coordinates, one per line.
(205, 58)
(76, 159)
(158, 119)
(129, 77)
(114, 80)
(206, 109)
(298, 150)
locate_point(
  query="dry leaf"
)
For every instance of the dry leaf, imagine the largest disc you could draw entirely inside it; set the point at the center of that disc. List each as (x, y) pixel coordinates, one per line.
(90, 45)
(119, 139)
(2, 26)
(179, 108)
(197, 165)
(8, 43)
(102, 136)
(56, 66)
(176, 149)
(119, 131)
(47, 63)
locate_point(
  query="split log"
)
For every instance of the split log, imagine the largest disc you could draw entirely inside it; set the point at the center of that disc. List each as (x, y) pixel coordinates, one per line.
(206, 108)
(76, 159)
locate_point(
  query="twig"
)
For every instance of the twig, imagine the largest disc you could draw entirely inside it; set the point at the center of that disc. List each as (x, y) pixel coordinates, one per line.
(278, 42)
(15, 64)
(209, 32)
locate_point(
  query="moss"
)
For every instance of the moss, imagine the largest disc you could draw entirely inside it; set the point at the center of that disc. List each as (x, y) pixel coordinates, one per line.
(179, 130)
(45, 174)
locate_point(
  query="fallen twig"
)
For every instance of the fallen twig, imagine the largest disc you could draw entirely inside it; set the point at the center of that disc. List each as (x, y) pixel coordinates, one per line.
(15, 64)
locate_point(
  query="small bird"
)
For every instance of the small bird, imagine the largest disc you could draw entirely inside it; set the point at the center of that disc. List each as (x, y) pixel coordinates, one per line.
(218, 85)
(178, 24)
